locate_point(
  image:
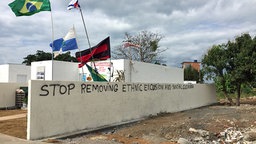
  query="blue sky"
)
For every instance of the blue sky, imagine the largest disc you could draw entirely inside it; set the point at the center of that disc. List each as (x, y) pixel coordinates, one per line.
(189, 27)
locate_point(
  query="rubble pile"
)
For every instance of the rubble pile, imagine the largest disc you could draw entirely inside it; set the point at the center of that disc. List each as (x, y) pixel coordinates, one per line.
(230, 135)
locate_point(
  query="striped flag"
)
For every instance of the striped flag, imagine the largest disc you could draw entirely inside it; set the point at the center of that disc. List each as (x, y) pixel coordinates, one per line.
(64, 44)
(99, 52)
(129, 44)
(73, 4)
(69, 42)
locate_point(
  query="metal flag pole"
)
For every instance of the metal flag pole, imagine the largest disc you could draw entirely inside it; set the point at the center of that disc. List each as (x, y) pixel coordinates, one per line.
(87, 36)
(52, 38)
(85, 29)
(111, 64)
(78, 50)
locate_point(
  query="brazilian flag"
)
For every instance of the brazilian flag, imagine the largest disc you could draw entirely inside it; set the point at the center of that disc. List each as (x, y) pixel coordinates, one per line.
(29, 7)
(95, 75)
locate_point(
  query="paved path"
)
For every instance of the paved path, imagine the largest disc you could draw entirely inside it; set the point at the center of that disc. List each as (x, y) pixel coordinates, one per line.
(13, 117)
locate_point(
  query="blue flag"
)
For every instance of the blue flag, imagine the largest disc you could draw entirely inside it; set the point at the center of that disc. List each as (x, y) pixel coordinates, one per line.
(57, 44)
(67, 43)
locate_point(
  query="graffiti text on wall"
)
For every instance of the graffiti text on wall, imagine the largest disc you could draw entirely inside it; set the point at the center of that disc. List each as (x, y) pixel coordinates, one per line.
(62, 89)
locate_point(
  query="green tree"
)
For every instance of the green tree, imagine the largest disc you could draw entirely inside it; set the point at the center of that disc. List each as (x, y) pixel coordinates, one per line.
(214, 67)
(241, 62)
(145, 48)
(232, 65)
(191, 74)
(41, 56)
(66, 57)
(29, 59)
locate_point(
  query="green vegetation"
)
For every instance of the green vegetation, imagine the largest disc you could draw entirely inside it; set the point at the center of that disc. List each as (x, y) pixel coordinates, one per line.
(247, 91)
(41, 56)
(232, 66)
(190, 74)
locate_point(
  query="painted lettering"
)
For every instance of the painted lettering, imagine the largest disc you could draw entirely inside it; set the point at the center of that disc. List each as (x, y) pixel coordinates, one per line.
(83, 86)
(63, 89)
(145, 87)
(123, 88)
(88, 88)
(54, 86)
(167, 87)
(153, 87)
(45, 90)
(95, 87)
(182, 86)
(57, 88)
(60, 89)
(71, 87)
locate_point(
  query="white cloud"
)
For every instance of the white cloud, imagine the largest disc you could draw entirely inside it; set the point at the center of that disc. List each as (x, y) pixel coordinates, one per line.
(190, 27)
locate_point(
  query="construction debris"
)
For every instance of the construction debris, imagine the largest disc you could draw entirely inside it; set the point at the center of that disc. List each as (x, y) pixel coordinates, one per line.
(230, 135)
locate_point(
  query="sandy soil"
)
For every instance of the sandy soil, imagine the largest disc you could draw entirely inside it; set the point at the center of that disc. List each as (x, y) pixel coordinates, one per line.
(161, 129)
(11, 112)
(14, 127)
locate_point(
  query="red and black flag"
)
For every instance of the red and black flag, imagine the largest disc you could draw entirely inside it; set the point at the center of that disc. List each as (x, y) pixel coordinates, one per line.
(99, 52)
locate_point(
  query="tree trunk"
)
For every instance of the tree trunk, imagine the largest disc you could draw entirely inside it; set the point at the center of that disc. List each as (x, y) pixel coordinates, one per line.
(238, 94)
(226, 93)
(229, 98)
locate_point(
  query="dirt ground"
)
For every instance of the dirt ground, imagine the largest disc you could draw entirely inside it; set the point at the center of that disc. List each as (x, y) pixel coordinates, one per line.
(202, 125)
(14, 127)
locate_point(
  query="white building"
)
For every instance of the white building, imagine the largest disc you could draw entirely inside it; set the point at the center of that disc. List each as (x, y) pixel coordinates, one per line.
(14, 73)
(148, 73)
(116, 70)
(54, 70)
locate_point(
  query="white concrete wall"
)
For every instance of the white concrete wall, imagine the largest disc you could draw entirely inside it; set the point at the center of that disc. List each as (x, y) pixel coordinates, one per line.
(145, 72)
(19, 73)
(62, 71)
(7, 94)
(62, 107)
(65, 71)
(14, 73)
(4, 73)
(133, 71)
(152, 73)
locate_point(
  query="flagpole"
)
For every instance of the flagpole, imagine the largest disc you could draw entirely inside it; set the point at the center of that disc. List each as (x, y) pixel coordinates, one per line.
(52, 38)
(110, 70)
(87, 35)
(79, 51)
(85, 29)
